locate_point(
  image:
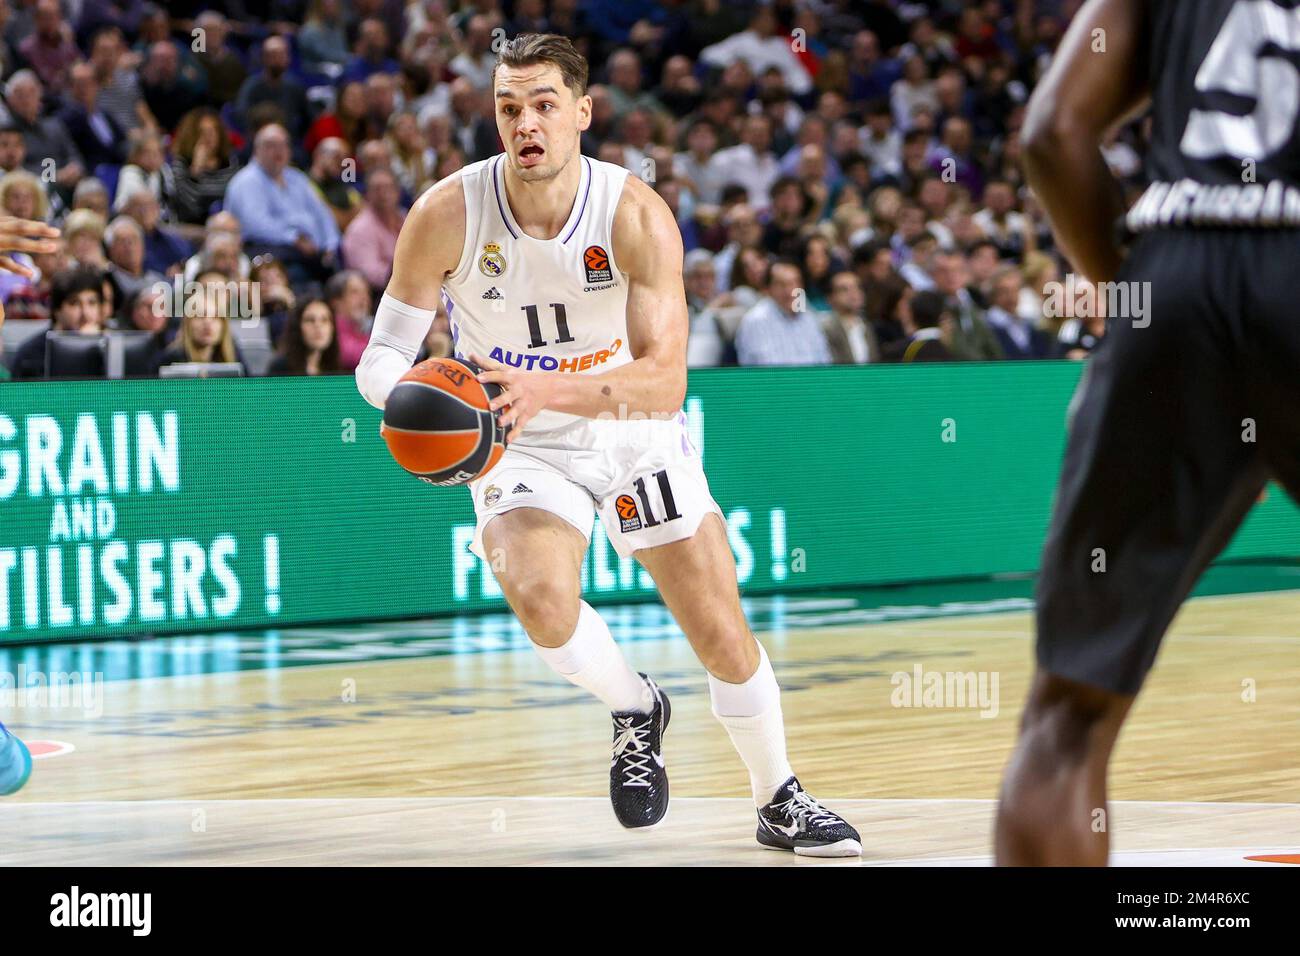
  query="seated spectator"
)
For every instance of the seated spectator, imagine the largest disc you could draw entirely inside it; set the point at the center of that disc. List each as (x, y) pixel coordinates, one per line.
(348, 294)
(220, 253)
(50, 49)
(819, 264)
(275, 292)
(119, 86)
(779, 330)
(111, 299)
(125, 241)
(1079, 337)
(95, 133)
(164, 251)
(709, 342)
(852, 339)
(202, 165)
(166, 90)
(927, 326)
(475, 61)
(372, 52)
(692, 165)
(31, 302)
(345, 121)
(310, 346)
(751, 163)
(204, 329)
(146, 169)
(13, 148)
(999, 221)
(1019, 338)
(45, 140)
(742, 230)
(91, 194)
(222, 67)
(274, 85)
(748, 279)
(144, 312)
(625, 92)
(790, 206)
(412, 159)
(972, 339)
(337, 191)
(76, 304)
(760, 46)
(222, 230)
(370, 242)
(280, 210)
(83, 233)
(21, 196)
(323, 40)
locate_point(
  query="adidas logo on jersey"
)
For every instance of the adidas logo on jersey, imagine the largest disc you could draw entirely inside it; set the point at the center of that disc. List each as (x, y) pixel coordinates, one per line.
(492, 293)
(521, 489)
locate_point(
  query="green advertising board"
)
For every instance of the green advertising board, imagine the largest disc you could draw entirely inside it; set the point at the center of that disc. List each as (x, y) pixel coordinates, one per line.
(142, 507)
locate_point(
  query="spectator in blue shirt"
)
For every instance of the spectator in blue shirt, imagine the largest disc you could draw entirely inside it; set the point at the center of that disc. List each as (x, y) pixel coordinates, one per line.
(781, 329)
(280, 211)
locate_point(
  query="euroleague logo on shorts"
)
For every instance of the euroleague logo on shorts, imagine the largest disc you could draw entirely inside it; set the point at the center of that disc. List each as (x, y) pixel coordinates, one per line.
(596, 262)
(629, 518)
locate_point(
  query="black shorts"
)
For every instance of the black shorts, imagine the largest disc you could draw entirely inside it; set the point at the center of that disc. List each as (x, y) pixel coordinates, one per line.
(1174, 431)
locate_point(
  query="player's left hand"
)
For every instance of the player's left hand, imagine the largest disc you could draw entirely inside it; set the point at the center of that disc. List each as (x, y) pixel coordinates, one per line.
(523, 394)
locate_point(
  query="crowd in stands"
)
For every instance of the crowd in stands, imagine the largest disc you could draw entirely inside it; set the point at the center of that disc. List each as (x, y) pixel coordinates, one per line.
(845, 173)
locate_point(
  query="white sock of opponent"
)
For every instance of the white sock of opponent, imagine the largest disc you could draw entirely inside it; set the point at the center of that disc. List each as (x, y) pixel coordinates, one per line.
(751, 712)
(591, 660)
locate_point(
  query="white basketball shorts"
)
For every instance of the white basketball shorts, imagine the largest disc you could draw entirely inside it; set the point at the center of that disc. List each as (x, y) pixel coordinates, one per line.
(644, 479)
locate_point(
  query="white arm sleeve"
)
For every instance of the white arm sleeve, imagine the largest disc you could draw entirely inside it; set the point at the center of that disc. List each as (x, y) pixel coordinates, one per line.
(395, 339)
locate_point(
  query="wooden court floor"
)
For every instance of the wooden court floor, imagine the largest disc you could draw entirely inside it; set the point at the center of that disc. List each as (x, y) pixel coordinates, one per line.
(486, 758)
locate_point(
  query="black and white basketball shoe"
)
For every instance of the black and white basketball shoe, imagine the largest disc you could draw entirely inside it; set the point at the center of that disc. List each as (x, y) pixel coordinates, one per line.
(794, 820)
(638, 781)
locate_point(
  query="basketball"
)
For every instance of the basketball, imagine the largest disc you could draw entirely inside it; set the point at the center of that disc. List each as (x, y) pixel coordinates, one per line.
(437, 423)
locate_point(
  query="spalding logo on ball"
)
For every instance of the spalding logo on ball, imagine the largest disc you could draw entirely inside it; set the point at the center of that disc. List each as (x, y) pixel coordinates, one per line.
(437, 423)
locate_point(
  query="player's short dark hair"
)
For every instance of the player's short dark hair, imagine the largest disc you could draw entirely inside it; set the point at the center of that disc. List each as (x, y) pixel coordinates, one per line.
(528, 49)
(72, 282)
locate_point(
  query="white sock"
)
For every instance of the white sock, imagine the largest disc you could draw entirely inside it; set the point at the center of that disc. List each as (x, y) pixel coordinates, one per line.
(751, 712)
(591, 660)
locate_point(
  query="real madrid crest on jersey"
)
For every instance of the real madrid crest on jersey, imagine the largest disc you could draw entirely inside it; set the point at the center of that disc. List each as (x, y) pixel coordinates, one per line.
(492, 262)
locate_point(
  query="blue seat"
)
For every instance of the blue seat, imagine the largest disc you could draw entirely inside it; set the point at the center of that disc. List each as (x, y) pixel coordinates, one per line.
(107, 174)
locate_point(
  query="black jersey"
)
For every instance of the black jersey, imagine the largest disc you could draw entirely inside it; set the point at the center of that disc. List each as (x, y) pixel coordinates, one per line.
(1225, 94)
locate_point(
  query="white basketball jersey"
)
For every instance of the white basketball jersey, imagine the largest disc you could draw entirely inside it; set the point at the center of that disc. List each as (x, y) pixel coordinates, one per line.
(550, 305)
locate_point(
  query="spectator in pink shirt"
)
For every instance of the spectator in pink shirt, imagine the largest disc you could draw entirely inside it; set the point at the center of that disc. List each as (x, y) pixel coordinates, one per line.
(348, 293)
(370, 240)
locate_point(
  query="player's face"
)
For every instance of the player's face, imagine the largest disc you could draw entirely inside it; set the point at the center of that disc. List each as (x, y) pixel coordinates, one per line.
(539, 119)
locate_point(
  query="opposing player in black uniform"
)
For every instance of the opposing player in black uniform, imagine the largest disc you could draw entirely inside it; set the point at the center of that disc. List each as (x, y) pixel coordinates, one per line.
(1184, 411)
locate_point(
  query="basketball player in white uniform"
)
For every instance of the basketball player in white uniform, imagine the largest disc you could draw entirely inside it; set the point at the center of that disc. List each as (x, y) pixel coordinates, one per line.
(562, 279)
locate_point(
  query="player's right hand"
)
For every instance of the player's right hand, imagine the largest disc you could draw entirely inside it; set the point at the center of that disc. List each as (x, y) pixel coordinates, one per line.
(25, 235)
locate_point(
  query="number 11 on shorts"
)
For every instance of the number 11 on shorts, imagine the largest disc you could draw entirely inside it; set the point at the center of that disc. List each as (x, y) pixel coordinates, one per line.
(632, 518)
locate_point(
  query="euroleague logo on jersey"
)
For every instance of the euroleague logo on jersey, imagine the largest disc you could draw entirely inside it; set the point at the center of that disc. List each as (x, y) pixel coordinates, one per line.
(596, 261)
